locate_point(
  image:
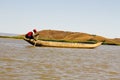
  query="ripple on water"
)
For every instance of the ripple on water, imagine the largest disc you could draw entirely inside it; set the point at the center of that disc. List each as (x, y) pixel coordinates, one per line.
(21, 61)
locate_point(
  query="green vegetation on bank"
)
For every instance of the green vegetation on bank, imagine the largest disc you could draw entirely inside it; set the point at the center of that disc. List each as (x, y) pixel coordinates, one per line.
(13, 37)
(71, 37)
(69, 41)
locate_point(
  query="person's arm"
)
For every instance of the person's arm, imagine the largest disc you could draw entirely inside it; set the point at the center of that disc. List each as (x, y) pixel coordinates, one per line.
(36, 36)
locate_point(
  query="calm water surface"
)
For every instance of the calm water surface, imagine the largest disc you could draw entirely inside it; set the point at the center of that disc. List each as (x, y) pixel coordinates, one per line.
(21, 61)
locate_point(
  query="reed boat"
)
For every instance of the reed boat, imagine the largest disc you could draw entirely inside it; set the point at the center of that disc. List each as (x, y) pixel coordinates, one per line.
(62, 44)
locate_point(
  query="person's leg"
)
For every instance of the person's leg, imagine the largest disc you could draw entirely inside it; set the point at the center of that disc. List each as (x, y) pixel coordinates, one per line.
(31, 37)
(26, 36)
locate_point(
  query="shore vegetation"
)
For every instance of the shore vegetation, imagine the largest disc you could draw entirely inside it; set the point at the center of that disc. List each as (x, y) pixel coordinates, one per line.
(73, 37)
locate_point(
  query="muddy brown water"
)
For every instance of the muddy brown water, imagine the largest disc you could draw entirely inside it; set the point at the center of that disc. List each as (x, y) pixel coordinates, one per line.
(21, 61)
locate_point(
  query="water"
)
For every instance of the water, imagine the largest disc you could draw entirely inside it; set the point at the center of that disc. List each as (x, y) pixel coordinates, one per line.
(21, 61)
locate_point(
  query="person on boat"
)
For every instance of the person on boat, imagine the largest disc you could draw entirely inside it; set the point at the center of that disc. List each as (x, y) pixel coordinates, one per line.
(30, 35)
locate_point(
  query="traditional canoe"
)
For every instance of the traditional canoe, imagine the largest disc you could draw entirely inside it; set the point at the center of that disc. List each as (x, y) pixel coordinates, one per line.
(62, 44)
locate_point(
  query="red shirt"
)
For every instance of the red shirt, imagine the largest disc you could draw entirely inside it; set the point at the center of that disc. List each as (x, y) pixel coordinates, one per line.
(29, 33)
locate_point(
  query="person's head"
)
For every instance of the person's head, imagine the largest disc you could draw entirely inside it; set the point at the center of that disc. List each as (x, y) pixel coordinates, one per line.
(34, 30)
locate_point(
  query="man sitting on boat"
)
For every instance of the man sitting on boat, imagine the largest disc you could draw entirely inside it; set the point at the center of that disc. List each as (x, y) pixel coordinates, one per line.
(30, 35)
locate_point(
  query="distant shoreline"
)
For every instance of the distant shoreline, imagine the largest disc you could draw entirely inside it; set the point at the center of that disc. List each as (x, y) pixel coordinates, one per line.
(73, 37)
(90, 42)
(13, 37)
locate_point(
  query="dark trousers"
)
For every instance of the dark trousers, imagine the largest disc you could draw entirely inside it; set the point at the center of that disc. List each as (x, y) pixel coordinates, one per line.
(29, 37)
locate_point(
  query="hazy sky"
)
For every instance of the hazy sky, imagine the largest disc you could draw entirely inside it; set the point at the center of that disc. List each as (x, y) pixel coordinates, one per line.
(100, 17)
